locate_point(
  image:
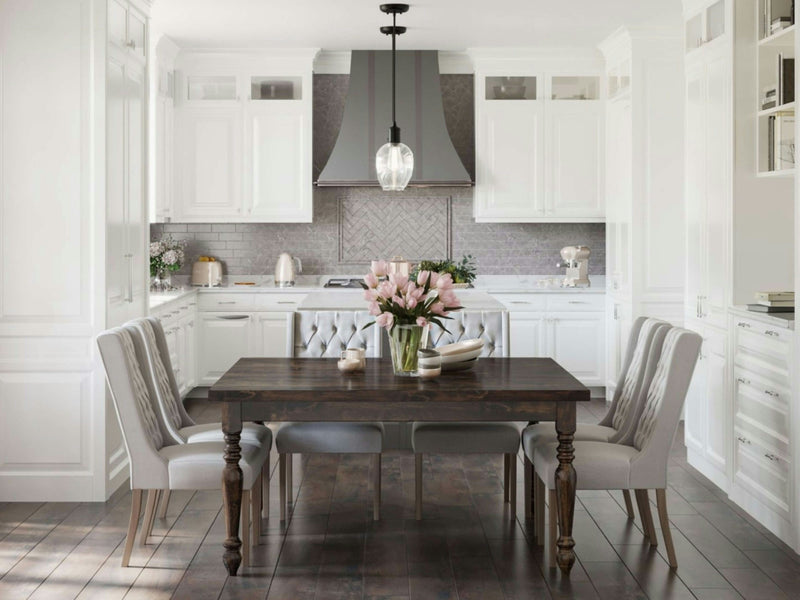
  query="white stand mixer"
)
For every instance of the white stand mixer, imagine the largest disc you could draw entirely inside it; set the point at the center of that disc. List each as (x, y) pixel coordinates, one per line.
(576, 262)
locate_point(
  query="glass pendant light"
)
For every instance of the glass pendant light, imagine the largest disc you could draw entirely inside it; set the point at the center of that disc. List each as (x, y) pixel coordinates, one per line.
(394, 161)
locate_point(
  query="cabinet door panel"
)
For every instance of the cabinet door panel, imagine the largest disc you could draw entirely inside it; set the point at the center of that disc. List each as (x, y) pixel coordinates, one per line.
(136, 217)
(278, 162)
(718, 187)
(577, 343)
(209, 144)
(526, 334)
(695, 188)
(509, 162)
(116, 230)
(718, 421)
(224, 338)
(272, 335)
(695, 431)
(574, 157)
(619, 194)
(619, 322)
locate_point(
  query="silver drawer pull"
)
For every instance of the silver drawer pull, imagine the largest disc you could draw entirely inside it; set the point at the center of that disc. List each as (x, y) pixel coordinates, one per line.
(576, 302)
(519, 302)
(771, 393)
(286, 302)
(228, 302)
(192, 303)
(772, 333)
(772, 457)
(233, 317)
(743, 324)
(743, 380)
(744, 440)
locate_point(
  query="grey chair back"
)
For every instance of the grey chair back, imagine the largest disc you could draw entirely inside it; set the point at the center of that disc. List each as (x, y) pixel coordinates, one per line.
(656, 428)
(489, 326)
(142, 430)
(158, 370)
(644, 346)
(324, 334)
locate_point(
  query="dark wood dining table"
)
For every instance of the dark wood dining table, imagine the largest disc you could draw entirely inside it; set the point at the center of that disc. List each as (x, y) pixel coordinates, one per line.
(495, 389)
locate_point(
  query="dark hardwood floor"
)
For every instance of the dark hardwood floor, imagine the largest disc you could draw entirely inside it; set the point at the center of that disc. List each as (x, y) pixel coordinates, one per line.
(466, 547)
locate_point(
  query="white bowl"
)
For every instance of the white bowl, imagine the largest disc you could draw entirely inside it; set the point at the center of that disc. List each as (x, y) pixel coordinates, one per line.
(460, 347)
(461, 356)
(462, 365)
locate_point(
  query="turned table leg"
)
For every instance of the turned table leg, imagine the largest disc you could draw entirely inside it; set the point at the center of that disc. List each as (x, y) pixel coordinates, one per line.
(565, 485)
(232, 485)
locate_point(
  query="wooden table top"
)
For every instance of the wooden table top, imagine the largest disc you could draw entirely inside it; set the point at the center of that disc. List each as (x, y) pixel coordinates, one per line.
(319, 380)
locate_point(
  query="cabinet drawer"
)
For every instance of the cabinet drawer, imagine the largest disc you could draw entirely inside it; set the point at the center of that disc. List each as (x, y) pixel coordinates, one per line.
(579, 302)
(283, 301)
(521, 302)
(762, 336)
(764, 474)
(769, 360)
(226, 302)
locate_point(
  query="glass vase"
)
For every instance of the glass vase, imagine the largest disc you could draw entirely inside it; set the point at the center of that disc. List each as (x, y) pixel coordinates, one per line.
(404, 343)
(162, 281)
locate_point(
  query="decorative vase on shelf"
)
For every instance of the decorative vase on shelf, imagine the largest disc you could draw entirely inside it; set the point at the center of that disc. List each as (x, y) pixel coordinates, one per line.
(405, 342)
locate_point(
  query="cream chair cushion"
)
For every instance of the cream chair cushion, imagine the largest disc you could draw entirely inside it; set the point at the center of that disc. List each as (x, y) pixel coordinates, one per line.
(199, 466)
(545, 433)
(211, 432)
(599, 465)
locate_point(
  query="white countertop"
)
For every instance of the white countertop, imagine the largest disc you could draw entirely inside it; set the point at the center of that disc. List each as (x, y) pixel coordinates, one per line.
(472, 300)
(784, 320)
(313, 285)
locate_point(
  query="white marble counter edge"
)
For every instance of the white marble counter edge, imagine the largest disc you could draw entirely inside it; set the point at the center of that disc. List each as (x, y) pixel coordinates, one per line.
(785, 322)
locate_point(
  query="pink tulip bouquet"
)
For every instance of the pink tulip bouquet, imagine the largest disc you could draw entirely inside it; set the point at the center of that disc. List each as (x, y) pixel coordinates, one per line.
(405, 307)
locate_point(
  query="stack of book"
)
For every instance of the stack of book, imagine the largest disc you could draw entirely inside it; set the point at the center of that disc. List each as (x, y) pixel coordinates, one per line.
(773, 302)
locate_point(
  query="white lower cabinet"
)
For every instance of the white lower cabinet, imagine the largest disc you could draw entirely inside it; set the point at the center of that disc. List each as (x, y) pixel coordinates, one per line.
(619, 320)
(273, 334)
(223, 338)
(566, 327)
(707, 412)
(178, 321)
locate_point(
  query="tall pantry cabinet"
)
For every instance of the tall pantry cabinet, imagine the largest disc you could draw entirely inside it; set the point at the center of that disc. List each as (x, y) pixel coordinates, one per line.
(72, 236)
(740, 414)
(644, 171)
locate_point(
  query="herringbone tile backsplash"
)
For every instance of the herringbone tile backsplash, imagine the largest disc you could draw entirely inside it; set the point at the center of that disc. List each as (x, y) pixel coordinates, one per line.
(354, 225)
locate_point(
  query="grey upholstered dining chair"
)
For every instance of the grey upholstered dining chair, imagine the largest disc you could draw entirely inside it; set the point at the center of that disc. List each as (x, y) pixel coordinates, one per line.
(324, 334)
(158, 462)
(646, 337)
(179, 425)
(641, 464)
(465, 437)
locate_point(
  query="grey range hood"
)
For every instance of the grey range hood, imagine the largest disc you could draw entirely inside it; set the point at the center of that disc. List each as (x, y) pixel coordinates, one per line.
(368, 115)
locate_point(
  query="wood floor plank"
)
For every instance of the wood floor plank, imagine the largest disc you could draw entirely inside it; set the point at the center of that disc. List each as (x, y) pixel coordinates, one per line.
(476, 578)
(711, 543)
(431, 580)
(13, 514)
(653, 573)
(613, 581)
(385, 567)
(754, 584)
(30, 532)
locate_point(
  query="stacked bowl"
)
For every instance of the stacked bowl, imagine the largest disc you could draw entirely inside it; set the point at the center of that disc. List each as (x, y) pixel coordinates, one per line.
(461, 355)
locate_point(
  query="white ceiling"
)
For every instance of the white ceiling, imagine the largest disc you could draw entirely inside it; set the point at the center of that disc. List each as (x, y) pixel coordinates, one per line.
(433, 24)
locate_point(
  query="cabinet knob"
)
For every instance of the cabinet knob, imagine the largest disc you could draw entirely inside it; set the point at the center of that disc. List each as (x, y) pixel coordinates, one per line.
(131, 44)
(743, 325)
(743, 380)
(772, 394)
(772, 333)
(772, 457)
(743, 440)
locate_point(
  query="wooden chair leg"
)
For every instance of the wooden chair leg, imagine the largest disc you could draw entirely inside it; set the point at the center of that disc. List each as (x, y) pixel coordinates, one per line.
(645, 529)
(663, 517)
(506, 467)
(538, 508)
(418, 486)
(162, 511)
(289, 482)
(376, 487)
(255, 512)
(512, 485)
(265, 490)
(149, 515)
(246, 502)
(626, 494)
(553, 514)
(643, 500)
(133, 523)
(528, 487)
(282, 483)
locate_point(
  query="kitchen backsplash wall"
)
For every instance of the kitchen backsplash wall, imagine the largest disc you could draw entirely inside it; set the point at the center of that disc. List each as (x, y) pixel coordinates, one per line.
(351, 224)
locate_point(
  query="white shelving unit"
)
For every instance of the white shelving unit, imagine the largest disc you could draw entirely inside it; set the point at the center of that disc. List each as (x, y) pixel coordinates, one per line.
(775, 125)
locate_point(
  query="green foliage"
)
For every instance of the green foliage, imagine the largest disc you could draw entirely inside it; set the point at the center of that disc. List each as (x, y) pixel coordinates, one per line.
(464, 271)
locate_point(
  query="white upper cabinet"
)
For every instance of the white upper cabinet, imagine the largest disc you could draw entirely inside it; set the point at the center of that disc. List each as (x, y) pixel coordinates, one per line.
(243, 137)
(575, 159)
(209, 153)
(510, 186)
(278, 136)
(539, 140)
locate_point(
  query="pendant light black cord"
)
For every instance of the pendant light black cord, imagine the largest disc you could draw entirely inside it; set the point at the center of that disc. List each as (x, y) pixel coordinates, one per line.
(394, 61)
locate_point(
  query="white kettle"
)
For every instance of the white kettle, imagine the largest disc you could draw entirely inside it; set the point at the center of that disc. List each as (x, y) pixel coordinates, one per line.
(284, 270)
